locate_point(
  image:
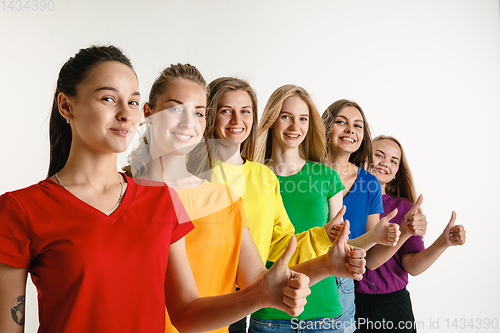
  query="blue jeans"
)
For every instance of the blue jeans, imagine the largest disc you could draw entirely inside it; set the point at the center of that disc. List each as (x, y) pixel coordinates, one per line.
(346, 296)
(320, 325)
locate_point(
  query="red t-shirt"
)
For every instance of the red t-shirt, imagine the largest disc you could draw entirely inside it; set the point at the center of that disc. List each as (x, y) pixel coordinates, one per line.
(93, 272)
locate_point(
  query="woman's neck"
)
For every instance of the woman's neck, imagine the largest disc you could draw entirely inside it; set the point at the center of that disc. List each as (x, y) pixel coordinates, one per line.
(229, 153)
(171, 169)
(339, 161)
(88, 167)
(285, 161)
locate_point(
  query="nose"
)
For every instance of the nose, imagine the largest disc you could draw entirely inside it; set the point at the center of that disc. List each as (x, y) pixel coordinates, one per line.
(348, 129)
(125, 113)
(187, 118)
(235, 117)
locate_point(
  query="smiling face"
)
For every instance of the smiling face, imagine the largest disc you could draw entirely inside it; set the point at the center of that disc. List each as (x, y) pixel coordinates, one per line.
(347, 131)
(105, 113)
(178, 119)
(386, 158)
(234, 117)
(290, 129)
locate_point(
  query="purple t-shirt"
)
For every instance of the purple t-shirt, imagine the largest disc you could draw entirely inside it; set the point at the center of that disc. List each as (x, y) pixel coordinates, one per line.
(391, 276)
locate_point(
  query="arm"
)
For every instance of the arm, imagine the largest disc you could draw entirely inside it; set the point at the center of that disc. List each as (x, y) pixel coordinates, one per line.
(279, 288)
(417, 263)
(414, 224)
(12, 291)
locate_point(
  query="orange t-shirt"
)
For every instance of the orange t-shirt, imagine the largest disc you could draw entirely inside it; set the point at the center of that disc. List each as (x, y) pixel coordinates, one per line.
(213, 247)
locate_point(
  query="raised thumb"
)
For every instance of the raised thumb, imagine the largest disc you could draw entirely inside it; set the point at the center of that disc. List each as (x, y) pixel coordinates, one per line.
(391, 215)
(417, 204)
(344, 234)
(451, 224)
(285, 257)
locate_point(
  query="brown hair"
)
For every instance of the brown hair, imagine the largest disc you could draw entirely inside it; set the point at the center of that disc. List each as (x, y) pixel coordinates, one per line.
(402, 185)
(71, 75)
(363, 157)
(313, 148)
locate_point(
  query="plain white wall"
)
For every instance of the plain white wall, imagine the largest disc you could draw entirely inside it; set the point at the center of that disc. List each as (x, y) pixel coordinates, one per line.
(427, 72)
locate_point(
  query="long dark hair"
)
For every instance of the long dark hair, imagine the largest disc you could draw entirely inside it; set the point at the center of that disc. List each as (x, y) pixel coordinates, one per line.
(71, 75)
(363, 157)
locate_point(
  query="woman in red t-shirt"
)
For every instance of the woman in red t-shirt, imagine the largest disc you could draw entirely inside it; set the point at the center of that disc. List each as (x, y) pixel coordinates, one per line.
(96, 243)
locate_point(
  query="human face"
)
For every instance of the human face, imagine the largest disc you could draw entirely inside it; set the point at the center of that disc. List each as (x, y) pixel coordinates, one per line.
(290, 129)
(105, 113)
(347, 131)
(178, 119)
(386, 159)
(234, 117)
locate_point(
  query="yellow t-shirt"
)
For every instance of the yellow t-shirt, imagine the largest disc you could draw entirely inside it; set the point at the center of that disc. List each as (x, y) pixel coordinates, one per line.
(269, 224)
(213, 246)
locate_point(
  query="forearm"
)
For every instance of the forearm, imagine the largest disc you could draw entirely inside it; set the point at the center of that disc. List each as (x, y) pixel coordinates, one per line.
(12, 293)
(316, 269)
(209, 313)
(365, 241)
(379, 254)
(417, 263)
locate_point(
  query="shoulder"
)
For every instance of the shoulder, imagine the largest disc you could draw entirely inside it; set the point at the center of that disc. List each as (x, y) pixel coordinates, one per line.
(260, 170)
(36, 191)
(402, 204)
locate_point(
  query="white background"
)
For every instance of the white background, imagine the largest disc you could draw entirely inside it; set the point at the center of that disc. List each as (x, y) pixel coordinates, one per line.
(427, 72)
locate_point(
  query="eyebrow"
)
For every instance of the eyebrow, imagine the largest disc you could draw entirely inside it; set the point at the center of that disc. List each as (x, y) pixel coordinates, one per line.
(344, 117)
(179, 102)
(386, 154)
(136, 93)
(231, 107)
(300, 115)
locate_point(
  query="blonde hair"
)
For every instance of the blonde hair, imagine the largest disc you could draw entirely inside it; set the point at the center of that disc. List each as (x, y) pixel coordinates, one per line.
(198, 164)
(313, 148)
(402, 185)
(139, 158)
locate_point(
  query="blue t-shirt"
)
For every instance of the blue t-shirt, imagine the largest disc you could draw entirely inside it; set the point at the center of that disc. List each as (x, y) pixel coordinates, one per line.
(364, 198)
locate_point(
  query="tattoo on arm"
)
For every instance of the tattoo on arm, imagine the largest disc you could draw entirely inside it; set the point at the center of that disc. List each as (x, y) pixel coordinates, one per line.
(17, 310)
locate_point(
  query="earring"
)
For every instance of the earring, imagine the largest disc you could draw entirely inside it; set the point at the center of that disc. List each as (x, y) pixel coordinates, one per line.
(67, 120)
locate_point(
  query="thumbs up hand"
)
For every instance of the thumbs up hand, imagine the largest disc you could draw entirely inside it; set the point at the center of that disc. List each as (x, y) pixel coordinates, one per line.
(387, 233)
(283, 288)
(453, 234)
(415, 223)
(345, 260)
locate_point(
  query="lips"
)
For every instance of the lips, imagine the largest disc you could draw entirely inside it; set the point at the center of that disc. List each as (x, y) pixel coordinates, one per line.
(382, 171)
(235, 131)
(182, 137)
(291, 136)
(347, 139)
(120, 131)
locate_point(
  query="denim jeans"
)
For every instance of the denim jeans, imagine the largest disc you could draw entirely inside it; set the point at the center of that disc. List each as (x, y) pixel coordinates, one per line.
(346, 296)
(319, 325)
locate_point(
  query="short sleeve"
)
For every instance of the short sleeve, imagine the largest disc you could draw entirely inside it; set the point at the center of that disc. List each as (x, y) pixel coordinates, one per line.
(414, 244)
(336, 184)
(240, 213)
(15, 233)
(376, 205)
(183, 224)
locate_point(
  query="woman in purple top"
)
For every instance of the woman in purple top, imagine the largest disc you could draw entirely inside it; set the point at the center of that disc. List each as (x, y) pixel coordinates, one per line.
(382, 301)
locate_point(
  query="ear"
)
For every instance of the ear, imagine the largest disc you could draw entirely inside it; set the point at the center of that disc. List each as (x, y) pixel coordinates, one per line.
(146, 110)
(64, 104)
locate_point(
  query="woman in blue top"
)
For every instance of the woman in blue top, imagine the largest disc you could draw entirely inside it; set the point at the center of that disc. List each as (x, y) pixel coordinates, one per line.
(348, 142)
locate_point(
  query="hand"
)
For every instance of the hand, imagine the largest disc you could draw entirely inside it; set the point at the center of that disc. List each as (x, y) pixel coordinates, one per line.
(283, 288)
(415, 223)
(334, 226)
(386, 233)
(453, 234)
(345, 260)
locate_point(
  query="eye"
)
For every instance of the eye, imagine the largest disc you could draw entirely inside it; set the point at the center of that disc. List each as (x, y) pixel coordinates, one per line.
(199, 114)
(340, 122)
(358, 126)
(175, 108)
(378, 155)
(394, 162)
(134, 103)
(108, 99)
(285, 116)
(246, 111)
(225, 111)
(304, 119)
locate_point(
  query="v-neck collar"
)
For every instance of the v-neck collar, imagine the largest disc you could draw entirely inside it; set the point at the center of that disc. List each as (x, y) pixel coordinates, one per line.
(111, 218)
